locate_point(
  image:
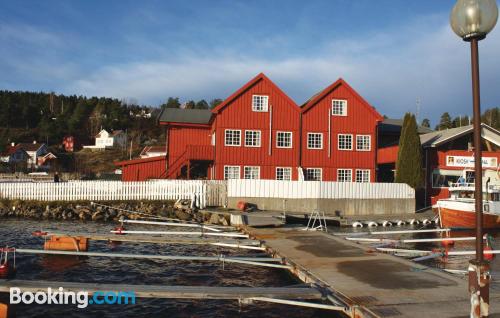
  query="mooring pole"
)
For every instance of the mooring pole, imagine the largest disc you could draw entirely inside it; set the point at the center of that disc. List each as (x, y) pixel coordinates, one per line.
(479, 269)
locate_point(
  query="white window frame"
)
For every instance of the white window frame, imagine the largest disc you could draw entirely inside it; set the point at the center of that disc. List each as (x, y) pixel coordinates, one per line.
(369, 142)
(225, 138)
(320, 140)
(226, 172)
(247, 168)
(338, 174)
(284, 169)
(338, 142)
(334, 107)
(258, 140)
(264, 103)
(366, 171)
(284, 132)
(314, 169)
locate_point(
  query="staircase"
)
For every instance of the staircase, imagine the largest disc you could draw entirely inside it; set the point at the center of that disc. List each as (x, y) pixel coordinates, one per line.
(191, 153)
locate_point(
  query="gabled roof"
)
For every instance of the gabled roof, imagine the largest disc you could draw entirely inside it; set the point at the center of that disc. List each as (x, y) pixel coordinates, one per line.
(340, 82)
(437, 138)
(185, 116)
(395, 125)
(247, 86)
(10, 150)
(29, 146)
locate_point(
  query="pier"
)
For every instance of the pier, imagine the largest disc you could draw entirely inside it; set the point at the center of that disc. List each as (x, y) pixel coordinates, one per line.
(368, 283)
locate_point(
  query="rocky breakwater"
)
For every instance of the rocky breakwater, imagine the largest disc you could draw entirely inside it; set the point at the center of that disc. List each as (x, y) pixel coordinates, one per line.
(105, 211)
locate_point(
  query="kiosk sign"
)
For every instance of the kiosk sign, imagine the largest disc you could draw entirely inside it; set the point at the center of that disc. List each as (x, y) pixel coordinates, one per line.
(468, 162)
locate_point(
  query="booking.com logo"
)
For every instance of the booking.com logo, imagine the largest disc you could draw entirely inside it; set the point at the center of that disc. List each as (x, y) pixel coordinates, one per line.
(61, 297)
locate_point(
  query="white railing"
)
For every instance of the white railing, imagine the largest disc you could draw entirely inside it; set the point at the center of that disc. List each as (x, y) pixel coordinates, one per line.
(107, 191)
(317, 190)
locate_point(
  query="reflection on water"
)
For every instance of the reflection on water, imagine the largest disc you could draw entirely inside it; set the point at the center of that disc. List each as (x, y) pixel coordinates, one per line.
(17, 233)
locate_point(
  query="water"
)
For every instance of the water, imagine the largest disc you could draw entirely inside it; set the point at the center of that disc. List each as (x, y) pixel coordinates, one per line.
(17, 233)
(452, 262)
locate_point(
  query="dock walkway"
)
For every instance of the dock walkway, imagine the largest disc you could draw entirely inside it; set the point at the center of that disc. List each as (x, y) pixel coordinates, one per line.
(381, 285)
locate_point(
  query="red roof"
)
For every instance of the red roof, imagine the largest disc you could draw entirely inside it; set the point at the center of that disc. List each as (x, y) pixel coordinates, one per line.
(251, 83)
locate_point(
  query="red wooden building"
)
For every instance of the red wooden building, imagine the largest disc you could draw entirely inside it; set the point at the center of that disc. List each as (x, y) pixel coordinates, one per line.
(260, 133)
(446, 155)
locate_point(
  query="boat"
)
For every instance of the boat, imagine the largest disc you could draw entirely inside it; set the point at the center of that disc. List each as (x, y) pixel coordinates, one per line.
(459, 212)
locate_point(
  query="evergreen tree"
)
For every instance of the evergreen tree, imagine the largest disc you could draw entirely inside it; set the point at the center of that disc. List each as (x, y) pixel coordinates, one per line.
(215, 102)
(409, 163)
(202, 104)
(426, 123)
(445, 122)
(491, 117)
(172, 102)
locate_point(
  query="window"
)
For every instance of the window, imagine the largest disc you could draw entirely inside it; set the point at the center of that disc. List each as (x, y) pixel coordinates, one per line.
(363, 142)
(231, 172)
(251, 173)
(314, 141)
(362, 175)
(260, 103)
(232, 137)
(444, 178)
(345, 142)
(284, 139)
(252, 138)
(283, 173)
(339, 107)
(313, 174)
(344, 175)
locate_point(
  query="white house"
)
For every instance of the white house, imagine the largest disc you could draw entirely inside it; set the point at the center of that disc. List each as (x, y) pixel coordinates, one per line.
(104, 139)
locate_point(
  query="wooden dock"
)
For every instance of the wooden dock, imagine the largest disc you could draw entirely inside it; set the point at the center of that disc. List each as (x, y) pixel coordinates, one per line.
(371, 284)
(174, 292)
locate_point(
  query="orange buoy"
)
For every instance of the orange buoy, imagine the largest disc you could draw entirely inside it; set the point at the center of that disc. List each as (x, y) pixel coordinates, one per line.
(488, 256)
(242, 205)
(448, 243)
(119, 229)
(66, 243)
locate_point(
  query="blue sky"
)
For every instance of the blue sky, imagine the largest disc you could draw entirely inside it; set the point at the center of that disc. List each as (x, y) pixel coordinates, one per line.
(391, 51)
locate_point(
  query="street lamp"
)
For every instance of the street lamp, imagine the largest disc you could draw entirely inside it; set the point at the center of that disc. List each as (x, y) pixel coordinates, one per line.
(472, 20)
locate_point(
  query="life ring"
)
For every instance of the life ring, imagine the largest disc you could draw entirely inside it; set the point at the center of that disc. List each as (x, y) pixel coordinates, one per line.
(386, 223)
(357, 224)
(372, 224)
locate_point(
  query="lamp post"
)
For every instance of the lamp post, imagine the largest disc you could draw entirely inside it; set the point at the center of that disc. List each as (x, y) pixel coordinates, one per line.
(472, 20)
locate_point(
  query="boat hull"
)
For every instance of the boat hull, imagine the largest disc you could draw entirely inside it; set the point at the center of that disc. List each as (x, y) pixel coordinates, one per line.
(452, 218)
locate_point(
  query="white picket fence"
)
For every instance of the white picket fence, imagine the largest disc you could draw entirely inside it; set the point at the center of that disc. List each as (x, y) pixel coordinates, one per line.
(317, 190)
(107, 191)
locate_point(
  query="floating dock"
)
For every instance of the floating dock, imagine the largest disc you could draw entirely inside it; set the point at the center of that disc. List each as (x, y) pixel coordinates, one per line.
(370, 284)
(174, 292)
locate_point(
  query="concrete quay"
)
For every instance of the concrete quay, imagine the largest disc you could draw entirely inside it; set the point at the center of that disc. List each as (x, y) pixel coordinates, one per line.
(370, 284)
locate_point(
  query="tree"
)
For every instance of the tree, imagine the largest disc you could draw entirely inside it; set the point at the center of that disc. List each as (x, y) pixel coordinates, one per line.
(172, 102)
(215, 102)
(491, 117)
(202, 104)
(426, 123)
(189, 105)
(409, 163)
(445, 122)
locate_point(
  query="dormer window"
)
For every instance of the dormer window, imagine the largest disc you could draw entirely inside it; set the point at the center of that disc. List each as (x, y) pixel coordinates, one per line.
(339, 107)
(260, 103)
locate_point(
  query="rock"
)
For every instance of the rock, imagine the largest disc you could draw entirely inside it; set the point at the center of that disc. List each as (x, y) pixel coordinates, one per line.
(182, 215)
(214, 219)
(98, 216)
(223, 221)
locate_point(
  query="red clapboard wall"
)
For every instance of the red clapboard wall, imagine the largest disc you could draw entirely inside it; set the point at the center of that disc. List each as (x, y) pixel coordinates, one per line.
(236, 113)
(361, 119)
